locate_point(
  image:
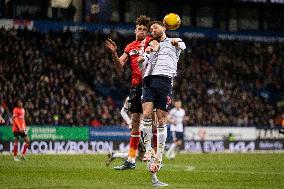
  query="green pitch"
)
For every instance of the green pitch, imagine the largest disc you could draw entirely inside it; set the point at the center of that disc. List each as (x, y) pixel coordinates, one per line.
(226, 171)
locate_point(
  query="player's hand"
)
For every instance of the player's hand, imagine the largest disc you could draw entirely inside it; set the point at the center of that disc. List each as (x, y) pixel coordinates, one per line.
(175, 42)
(154, 45)
(140, 59)
(148, 49)
(111, 46)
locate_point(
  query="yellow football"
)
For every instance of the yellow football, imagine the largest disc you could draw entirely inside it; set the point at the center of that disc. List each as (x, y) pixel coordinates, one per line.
(172, 21)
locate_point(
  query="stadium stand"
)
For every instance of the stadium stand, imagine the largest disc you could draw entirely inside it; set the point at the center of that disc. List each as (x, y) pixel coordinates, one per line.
(68, 79)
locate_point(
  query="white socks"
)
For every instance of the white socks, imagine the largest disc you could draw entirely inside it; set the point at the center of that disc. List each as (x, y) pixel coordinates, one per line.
(161, 140)
(154, 177)
(171, 152)
(147, 133)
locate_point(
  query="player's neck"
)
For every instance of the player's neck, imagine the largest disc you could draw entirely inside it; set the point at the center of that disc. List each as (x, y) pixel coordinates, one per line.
(137, 39)
(163, 37)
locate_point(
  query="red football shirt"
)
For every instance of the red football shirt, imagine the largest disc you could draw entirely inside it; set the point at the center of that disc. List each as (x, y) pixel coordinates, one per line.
(18, 119)
(133, 50)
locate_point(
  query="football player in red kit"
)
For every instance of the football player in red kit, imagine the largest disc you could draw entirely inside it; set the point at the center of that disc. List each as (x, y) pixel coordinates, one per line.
(19, 130)
(132, 51)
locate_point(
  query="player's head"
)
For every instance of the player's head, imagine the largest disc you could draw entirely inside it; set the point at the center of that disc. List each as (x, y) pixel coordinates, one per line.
(157, 29)
(178, 104)
(142, 27)
(18, 103)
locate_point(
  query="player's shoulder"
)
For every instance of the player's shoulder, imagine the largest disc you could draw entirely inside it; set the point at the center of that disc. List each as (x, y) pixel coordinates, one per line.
(173, 110)
(175, 38)
(130, 46)
(148, 38)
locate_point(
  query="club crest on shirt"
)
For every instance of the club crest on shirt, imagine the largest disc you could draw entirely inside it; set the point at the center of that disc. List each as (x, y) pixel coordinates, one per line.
(136, 52)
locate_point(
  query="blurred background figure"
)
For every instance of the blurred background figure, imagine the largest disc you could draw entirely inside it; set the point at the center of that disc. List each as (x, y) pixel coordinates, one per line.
(176, 118)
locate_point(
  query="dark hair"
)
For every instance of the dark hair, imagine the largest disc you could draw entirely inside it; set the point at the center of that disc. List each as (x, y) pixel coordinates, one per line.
(157, 22)
(143, 20)
(16, 102)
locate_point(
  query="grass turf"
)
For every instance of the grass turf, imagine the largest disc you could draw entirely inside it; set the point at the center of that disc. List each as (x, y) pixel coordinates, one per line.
(226, 171)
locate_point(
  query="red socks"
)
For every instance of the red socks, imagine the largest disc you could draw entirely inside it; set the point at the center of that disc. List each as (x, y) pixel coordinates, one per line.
(134, 142)
(15, 149)
(26, 146)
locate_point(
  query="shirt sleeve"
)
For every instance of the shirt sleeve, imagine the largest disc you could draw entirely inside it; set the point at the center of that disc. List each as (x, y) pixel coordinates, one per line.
(127, 49)
(15, 113)
(148, 40)
(181, 44)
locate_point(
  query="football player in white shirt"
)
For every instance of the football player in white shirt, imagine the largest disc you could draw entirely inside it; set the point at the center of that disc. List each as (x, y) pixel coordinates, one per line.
(157, 84)
(176, 118)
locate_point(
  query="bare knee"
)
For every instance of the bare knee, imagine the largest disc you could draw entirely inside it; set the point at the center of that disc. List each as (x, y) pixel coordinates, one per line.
(147, 110)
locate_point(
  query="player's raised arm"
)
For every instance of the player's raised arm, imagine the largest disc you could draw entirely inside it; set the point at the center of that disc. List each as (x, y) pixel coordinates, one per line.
(177, 42)
(119, 62)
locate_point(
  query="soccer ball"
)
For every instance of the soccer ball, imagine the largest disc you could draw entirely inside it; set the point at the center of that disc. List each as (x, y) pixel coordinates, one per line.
(153, 166)
(172, 21)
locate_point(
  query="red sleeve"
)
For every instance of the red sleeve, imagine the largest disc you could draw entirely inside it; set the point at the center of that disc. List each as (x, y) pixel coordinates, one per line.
(15, 117)
(127, 49)
(15, 113)
(148, 40)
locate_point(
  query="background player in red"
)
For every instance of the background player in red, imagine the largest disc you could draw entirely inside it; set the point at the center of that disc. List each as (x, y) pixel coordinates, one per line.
(19, 129)
(132, 51)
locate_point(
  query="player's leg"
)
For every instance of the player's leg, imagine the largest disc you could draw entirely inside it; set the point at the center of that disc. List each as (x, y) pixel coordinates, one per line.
(135, 108)
(15, 146)
(26, 146)
(154, 130)
(154, 178)
(152, 144)
(173, 150)
(161, 134)
(179, 141)
(130, 163)
(172, 147)
(134, 137)
(156, 182)
(147, 128)
(162, 87)
(141, 146)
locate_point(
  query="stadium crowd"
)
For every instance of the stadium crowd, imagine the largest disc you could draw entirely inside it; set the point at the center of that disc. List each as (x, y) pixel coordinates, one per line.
(232, 83)
(34, 67)
(68, 78)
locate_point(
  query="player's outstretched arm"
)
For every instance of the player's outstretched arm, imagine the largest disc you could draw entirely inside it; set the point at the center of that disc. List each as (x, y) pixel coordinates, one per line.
(177, 42)
(118, 61)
